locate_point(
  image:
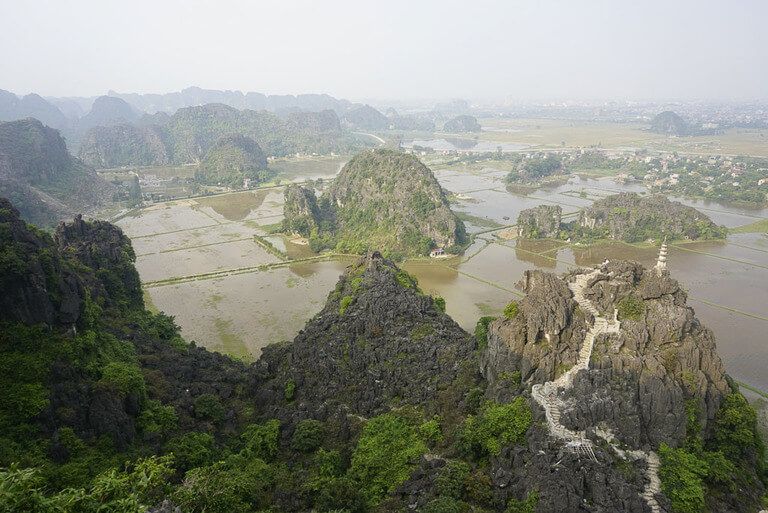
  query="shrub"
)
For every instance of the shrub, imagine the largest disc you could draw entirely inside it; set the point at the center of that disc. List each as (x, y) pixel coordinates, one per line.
(126, 378)
(736, 429)
(209, 407)
(681, 475)
(226, 487)
(452, 479)
(261, 440)
(481, 331)
(440, 303)
(156, 418)
(631, 308)
(523, 506)
(496, 426)
(308, 436)
(385, 455)
(344, 304)
(290, 390)
(511, 310)
(422, 331)
(430, 432)
(446, 505)
(191, 450)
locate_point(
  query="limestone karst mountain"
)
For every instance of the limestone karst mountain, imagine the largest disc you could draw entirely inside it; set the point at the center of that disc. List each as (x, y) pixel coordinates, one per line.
(366, 117)
(380, 199)
(186, 136)
(670, 123)
(107, 111)
(38, 173)
(14, 108)
(232, 159)
(628, 217)
(463, 123)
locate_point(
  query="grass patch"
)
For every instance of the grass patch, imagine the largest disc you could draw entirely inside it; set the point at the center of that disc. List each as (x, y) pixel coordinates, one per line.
(756, 227)
(482, 222)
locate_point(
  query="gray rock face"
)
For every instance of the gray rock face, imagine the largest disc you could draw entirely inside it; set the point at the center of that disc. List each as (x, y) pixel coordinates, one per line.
(377, 340)
(640, 384)
(542, 222)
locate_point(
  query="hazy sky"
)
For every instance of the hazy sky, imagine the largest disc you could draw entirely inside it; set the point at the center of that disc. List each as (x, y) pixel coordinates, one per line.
(476, 49)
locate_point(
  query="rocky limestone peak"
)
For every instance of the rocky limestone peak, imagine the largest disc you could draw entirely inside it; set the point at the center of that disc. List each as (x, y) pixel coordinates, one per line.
(378, 342)
(641, 380)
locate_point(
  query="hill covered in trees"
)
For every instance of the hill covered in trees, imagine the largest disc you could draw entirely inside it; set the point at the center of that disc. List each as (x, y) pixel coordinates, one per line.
(38, 173)
(629, 217)
(231, 160)
(380, 199)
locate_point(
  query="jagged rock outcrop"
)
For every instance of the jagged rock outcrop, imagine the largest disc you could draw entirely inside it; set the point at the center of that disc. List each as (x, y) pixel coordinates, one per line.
(107, 251)
(380, 199)
(39, 176)
(632, 218)
(643, 381)
(378, 341)
(542, 222)
(463, 123)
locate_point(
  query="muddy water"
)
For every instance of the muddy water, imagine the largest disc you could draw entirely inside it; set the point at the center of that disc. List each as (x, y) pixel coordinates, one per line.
(242, 313)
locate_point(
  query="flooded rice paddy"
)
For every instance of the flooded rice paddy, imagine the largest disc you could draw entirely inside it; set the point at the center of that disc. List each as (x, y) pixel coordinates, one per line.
(205, 262)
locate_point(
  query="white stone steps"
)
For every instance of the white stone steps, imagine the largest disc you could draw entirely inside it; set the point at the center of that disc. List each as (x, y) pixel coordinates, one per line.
(546, 395)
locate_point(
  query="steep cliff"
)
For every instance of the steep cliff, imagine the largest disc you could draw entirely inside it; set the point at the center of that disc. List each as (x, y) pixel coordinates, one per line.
(38, 174)
(380, 199)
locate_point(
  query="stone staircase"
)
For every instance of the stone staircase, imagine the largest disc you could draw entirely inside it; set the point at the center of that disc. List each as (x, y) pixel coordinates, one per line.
(547, 395)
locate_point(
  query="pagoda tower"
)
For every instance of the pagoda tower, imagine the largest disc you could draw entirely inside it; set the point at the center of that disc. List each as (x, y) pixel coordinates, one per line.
(661, 263)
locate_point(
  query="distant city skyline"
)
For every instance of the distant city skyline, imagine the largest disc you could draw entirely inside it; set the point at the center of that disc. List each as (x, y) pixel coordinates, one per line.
(480, 50)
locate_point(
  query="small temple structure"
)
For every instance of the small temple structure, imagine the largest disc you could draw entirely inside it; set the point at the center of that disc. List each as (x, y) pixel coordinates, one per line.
(661, 263)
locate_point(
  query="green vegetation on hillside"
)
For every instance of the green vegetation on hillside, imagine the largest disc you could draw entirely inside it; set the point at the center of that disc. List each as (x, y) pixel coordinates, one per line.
(383, 200)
